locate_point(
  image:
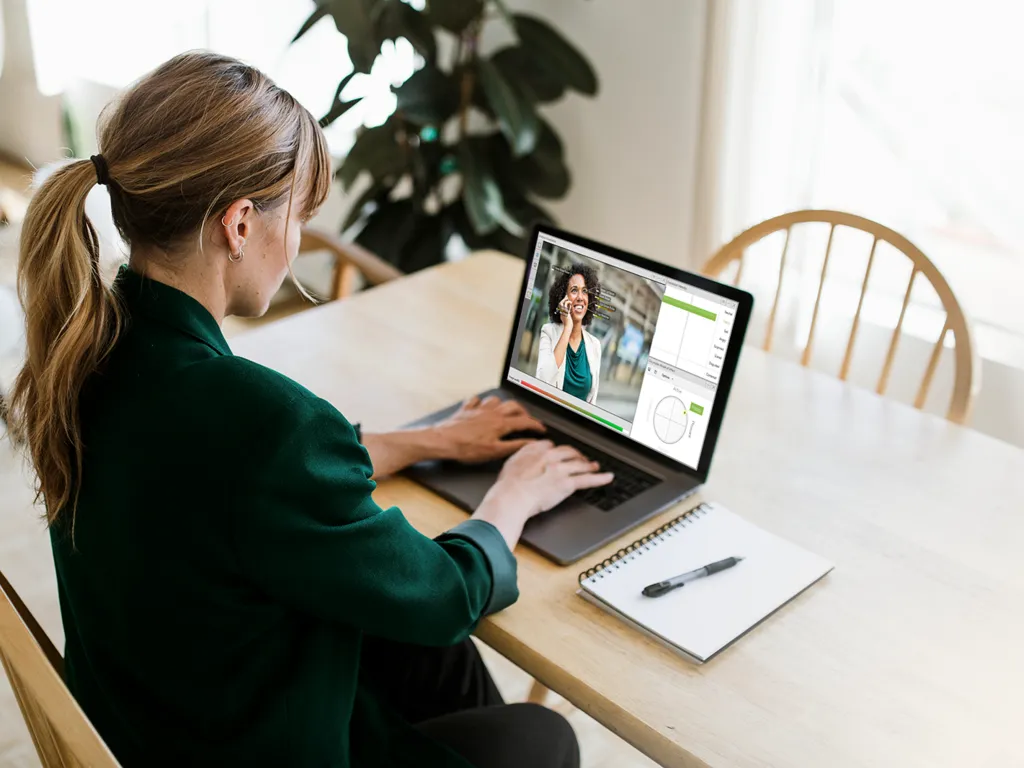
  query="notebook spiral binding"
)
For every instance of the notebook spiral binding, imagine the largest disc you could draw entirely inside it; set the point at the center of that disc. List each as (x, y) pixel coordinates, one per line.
(655, 537)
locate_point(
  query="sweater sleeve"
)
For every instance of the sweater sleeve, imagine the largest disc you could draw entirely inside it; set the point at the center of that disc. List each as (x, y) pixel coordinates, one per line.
(313, 538)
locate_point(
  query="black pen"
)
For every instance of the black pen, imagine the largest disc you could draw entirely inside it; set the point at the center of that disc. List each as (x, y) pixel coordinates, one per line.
(661, 587)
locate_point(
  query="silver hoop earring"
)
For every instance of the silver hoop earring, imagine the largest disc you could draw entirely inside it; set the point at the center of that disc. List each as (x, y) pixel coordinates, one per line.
(231, 256)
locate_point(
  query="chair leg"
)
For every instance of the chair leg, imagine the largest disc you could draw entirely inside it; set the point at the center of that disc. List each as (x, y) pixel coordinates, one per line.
(541, 694)
(538, 693)
(344, 280)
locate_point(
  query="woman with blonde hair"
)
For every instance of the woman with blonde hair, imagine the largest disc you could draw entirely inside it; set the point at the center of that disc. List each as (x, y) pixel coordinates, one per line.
(230, 592)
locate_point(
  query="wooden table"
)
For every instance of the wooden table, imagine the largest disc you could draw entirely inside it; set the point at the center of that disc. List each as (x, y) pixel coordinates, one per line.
(909, 653)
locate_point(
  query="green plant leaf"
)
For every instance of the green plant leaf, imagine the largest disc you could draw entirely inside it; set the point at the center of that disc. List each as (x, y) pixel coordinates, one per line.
(480, 192)
(428, 97)
(319, 13)
(400, 19)
(377, 189)
(548, 142)
(526, 214)
(543, 172)
(499, 239)
(512, 107)
(339, 107)
(454, 15)
(389, 228)
(549, 180)
(341, 86)
(425, 247)
(555, 53)
(355, 20)
(377, 151)
(404, 236)
(518, 66)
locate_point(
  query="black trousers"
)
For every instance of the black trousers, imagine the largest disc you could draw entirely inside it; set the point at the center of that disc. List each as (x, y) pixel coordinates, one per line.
(449, 695)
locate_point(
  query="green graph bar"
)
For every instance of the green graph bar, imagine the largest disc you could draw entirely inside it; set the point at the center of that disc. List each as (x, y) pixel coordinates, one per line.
(567, 404)
(698, 409)
(594, 416)
(689, 308)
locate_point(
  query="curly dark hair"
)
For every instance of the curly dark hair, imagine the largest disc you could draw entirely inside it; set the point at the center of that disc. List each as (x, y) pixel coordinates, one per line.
(561, 286)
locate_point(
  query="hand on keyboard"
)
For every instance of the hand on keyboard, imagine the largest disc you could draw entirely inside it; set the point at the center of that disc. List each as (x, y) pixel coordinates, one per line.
(629, 481)
(482, 430)
(544, 474)
(535, 479)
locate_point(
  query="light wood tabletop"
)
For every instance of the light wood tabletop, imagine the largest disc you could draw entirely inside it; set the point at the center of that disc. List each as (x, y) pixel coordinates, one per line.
(909, 653)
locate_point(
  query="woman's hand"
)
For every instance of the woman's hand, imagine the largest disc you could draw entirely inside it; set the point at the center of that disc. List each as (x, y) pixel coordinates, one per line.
(475, 432)
(565, 311)
(534, 480)
(542, 475)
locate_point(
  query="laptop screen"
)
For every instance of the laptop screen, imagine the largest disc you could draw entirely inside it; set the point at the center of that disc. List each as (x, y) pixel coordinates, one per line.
(634, 351)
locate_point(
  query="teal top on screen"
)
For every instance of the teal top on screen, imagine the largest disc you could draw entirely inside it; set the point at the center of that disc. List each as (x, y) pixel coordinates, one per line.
(577, 371)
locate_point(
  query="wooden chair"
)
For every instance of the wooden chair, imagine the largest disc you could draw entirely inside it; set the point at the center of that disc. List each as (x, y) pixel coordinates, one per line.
(968, 367)
(62, 734)
(350, 260)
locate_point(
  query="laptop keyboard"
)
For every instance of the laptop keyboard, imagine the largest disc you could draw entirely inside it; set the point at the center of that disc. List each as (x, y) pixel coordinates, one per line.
(629, 480)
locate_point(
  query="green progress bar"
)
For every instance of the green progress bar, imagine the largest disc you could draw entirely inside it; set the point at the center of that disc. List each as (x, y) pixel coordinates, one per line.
(689, 308)
(592, 415)
(575, 407)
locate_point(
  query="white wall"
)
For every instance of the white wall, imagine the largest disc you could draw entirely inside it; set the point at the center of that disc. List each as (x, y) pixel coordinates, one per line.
(632, 150)
(30, 123)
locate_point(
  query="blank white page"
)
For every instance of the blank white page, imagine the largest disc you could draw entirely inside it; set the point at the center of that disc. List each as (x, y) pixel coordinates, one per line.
(705, 615)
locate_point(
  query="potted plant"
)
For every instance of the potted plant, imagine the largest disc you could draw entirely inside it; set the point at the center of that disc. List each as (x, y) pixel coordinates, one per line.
(466, 152)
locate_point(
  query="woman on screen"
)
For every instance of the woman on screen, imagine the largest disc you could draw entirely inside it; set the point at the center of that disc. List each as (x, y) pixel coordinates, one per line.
(570, 357)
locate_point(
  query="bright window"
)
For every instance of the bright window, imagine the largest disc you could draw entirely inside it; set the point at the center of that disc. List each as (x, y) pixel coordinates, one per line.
(114, 42)
(922, 121)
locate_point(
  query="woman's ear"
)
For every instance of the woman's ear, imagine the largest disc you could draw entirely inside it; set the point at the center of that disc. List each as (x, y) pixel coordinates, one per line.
(238, 223)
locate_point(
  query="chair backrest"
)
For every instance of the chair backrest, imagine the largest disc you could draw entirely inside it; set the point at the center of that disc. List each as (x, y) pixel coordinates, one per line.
(349, 261)
(967, 364)
(60, 730)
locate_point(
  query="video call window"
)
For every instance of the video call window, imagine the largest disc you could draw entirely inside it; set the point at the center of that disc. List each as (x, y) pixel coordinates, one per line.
(616, 327)
(633, 351)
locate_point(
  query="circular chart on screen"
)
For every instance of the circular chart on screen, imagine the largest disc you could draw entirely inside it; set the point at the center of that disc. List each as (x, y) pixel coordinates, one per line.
(670, 419)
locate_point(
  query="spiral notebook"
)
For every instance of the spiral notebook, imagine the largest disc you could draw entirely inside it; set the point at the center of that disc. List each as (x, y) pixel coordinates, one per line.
(708, 614)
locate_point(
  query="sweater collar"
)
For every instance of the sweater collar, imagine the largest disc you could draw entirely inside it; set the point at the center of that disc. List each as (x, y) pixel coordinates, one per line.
(171, 307)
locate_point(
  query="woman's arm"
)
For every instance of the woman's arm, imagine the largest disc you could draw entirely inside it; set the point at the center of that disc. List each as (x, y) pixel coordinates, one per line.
(391, 452)
(309, 534)
(474, 433)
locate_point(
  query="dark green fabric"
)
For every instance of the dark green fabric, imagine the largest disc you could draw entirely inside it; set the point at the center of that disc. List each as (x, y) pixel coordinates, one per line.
(577, 380)
(227, 558)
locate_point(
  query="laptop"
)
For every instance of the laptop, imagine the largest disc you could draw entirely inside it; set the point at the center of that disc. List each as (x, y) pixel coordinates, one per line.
(643, 392)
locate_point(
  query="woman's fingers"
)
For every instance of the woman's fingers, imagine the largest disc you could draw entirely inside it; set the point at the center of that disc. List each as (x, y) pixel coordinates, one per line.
(592, 480)
(490, 402)
(579, 466)
(562, 453)
(504, 448)
(471, 403)
(523, 423)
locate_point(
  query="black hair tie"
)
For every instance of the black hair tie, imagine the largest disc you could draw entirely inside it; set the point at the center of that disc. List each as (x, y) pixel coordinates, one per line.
(102, 172)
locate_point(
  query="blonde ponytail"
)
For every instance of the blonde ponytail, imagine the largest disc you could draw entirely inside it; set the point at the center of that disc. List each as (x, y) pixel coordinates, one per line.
(180, 145)
(72, 322)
